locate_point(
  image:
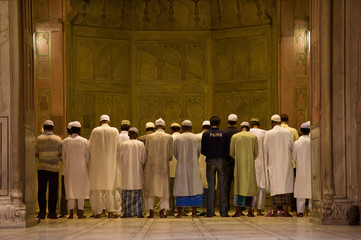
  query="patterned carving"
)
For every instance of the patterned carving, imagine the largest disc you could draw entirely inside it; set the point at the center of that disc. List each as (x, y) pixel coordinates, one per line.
(246, 105)
(335, 212)
(241, 59)
(103, 60)
(43, 106)
(172, 108)
(13, 213)
(301, 103)
(170, 62)
(300, 51)
(43, 55)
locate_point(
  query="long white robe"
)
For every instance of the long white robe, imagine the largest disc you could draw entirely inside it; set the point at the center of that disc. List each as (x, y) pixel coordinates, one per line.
(123, 136)
(103, 143)
(202, 164)
(260, 162)
(132, 158)
(173, 163)
(76, 158)
(302, 156)
(278, 147)
(159, 147)
(188, 180)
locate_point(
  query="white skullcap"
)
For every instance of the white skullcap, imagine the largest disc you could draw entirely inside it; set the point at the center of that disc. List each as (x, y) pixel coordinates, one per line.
(159, 122)
(70, 125)
(133, 129)
(309, 122)
(76, 124)
(244, 124)
(149, 125)
(305, 125)
(206, 123)
(254, 119)
(276, 118)
(49, 122)
(232, 117)
(125, 122)
(187, 123)
(104, 118)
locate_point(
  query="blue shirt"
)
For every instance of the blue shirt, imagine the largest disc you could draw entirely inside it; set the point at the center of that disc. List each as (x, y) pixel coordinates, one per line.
(215, 143)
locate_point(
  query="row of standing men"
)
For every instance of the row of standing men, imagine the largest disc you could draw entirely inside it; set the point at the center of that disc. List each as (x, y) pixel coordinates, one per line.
(108, 168)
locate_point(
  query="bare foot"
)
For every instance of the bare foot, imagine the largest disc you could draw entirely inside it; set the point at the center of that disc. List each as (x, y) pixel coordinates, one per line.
(178, 215)
(287, 215)
(300, 215)
(259, 213)
(250, 215)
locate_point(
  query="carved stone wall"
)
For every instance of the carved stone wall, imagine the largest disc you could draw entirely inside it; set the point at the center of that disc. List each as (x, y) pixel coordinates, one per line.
(334, 75)
(177, 60)
(16, 115)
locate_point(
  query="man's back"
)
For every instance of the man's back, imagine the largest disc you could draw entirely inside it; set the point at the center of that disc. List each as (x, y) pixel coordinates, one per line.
(132, 158)
(278, 147)
(48, 146)
(103, 148)
(215, 143)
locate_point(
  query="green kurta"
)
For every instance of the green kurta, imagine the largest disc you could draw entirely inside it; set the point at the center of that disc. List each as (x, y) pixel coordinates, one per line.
(244, 149)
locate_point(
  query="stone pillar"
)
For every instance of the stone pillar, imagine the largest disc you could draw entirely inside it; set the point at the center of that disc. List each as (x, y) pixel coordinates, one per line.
(13, 82)
(334, 129)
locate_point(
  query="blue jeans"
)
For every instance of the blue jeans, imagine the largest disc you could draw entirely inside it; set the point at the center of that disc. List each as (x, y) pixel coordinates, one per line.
(216, 165)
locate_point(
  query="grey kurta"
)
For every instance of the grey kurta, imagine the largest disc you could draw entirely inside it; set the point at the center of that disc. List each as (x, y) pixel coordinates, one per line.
(159, 146)
(188, 180)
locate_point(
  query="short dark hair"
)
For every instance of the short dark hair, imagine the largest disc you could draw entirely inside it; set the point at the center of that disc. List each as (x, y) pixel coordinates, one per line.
(215, 121)
(124, 127)
(75, 130)
(150, 128)
(68, 130)
(245, 127)
(187, 128)
(284, 117)
(254, 123)
(175, 128)
(48, 127)
(305, 131)
(231, 122)
(206, 127)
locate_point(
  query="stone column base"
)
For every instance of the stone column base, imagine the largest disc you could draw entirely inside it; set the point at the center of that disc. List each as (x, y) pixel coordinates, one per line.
(334, 211)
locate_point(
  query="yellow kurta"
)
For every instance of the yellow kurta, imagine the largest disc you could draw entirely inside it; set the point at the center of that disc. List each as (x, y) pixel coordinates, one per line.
(244, 149)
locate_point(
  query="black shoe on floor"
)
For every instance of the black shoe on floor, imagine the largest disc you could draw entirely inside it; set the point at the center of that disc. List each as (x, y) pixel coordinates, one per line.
(52, 216)
(41, 216)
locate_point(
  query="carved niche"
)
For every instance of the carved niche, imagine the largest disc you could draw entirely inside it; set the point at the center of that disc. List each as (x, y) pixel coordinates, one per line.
(172, 109)
(170, 62)
(241, 59)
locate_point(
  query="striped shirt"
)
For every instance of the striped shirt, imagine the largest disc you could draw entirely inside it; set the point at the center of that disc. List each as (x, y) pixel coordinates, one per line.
(48, 148)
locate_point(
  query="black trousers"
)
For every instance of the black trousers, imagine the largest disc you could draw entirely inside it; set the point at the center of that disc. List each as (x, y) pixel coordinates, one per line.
(45, 177)
(229, 180)
(63, 201)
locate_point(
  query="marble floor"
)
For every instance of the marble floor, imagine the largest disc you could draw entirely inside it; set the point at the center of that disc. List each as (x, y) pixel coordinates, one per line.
(185, 228)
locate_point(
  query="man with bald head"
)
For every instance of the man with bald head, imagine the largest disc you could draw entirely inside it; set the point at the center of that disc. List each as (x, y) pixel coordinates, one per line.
(103, 143)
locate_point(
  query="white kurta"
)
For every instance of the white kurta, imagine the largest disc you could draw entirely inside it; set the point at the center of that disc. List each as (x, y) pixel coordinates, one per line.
(173, 163)
(76, 158)
(260, 162)
(202, 164)
(188, 180)
(132, 158)
(302, 156)
(278, 147)
(159, 146)
(103, 143)
(123, 136)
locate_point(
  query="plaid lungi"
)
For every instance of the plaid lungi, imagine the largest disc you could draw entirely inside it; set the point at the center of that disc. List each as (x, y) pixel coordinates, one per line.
(242, 201)
(132, 203)
(282, 199)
